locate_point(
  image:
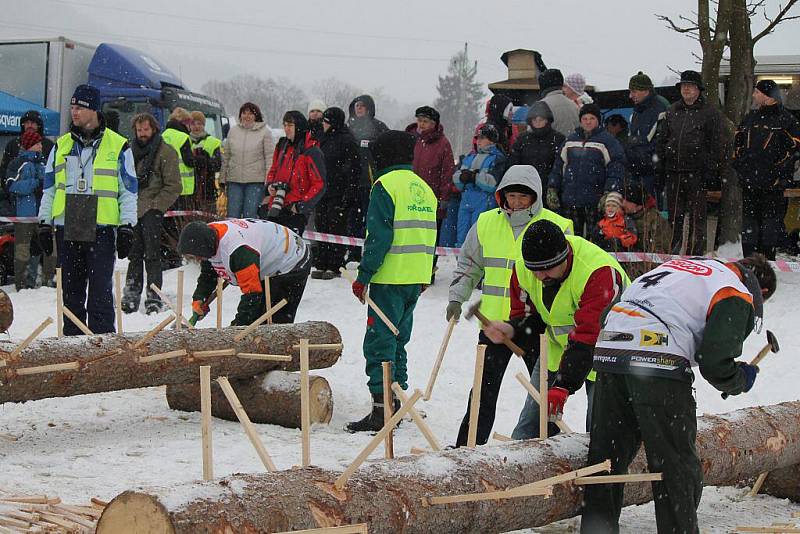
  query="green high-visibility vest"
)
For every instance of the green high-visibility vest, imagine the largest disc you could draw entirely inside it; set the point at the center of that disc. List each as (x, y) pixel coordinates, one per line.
(560, 318)
(105, 176)
(500, 250)
(176, 139)
(410, 258)
(210, 144)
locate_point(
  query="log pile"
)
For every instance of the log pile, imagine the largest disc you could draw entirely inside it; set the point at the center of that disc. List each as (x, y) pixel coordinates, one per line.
(272, 398)
(389, 494)
(62, 367)
(43, 513)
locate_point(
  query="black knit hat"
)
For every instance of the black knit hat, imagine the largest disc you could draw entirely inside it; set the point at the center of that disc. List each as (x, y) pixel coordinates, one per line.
(591, 109)
(490, 132)
(393, 148)
(544, 246)
(640, 82)
(335, 117)
(550, 78)
(86, 96)
(691, 76)
(770, 88)
(198, 240)
(428, 113)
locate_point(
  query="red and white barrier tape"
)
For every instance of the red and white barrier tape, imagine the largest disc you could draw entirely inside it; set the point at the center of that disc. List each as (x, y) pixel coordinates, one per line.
(780, 265)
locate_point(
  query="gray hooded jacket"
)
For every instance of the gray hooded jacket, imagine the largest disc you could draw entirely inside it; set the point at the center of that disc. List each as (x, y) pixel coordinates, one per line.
(470, 267)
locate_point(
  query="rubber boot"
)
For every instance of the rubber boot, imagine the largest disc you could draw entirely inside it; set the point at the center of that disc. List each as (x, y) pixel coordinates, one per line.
(373, 421)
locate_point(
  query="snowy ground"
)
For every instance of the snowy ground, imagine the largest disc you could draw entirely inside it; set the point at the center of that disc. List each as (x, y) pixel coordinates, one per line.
(100, 445)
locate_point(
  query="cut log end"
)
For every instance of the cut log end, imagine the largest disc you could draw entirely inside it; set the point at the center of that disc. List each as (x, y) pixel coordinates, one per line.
(133, 513)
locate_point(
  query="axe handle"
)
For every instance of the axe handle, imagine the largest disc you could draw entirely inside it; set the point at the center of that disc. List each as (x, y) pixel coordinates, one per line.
(516, 349)
(761, 354)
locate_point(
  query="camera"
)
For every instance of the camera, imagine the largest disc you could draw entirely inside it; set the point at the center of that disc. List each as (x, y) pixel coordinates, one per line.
(277, 201)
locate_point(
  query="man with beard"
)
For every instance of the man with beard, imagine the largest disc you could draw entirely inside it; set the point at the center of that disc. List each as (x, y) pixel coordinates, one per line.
(159, 186)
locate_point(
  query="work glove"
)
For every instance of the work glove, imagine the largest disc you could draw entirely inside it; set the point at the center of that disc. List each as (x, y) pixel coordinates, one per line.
(467, 176)
(359, 290)
(46, 238)
(199, 310)
(556, 398)
(553, 201)
(453, 310)
(124, 241)
(750, 372)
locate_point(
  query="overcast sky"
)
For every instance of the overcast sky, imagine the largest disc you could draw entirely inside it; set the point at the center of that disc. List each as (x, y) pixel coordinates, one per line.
(399, 46)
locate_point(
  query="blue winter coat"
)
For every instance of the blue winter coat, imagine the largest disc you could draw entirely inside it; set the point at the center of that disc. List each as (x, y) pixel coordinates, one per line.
(642, 137)
(587, 167)
(490, 164)
(25, 180)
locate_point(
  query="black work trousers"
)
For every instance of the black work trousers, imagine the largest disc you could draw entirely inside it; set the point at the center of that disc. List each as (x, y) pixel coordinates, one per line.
(763, 211)
(495, 362)
(660, 412)
(584, 219)
(330, 217)
(145, 255)
(686, 200)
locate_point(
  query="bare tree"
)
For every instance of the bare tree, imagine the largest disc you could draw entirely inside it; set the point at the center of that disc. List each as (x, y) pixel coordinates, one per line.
(335, 92)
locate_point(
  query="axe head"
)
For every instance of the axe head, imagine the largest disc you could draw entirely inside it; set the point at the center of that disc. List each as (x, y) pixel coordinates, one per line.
(471, 309)
(773, 341)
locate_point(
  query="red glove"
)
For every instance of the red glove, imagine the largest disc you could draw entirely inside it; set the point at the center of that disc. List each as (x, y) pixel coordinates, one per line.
(556, 398)
(358, 290)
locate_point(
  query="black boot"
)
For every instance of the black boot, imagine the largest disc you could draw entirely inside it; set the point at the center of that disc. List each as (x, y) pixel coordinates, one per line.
(373, 421)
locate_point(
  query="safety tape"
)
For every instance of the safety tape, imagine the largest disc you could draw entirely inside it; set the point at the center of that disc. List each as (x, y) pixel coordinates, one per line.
(624, 257)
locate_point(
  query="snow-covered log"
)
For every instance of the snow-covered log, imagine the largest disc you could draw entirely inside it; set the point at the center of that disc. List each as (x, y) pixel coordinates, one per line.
(110, 362)
(388, 494)
(271, 398)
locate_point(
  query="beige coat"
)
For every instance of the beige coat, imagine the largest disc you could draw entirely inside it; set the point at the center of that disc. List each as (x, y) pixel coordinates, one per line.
(247, 154)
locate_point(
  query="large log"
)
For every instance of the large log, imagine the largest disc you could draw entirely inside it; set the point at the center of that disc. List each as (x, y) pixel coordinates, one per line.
(783, 483)
(272, 398)
(110, 362)
(388, 494)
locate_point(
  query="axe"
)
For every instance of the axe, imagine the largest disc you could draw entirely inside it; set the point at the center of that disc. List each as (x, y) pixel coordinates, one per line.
(473, 310)
(771, 346)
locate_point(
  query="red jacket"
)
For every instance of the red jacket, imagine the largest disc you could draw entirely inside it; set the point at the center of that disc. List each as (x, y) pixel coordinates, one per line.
(619, 227)
(433, 160)
(303, 169)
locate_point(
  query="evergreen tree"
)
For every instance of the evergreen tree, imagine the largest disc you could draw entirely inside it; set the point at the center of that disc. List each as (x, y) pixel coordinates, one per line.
(459, 102)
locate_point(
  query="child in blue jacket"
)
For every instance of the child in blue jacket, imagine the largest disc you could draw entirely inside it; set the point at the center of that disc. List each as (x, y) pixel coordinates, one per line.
(25, 176)
(477, 179)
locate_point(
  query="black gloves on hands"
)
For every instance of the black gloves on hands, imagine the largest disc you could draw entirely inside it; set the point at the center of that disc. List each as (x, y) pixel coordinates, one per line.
(124, 241)
(467, 176)
(46, 238)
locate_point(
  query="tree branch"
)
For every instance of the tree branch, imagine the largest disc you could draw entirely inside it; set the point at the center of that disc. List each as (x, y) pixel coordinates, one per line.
(671, 24)
(780, 17)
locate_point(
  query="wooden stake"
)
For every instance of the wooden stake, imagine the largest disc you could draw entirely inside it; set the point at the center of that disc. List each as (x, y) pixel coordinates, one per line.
(213, 353)
(305, 407)
(162, 356)
(179, 301)
(380, 436)
(536, 397)
(255, 324)
(72, 317)
(118, 299)
(757, 486)
(417, 418)
(164, 298)
(39, 369)
(388, 404)
(569, 475)
(28, 340)
(489, 496)
(205, 411)
(501, 437)
(544, 407)
(249, 429)
(360, 528)
(59, 304)
(439, 357)
(371, 304)
(321, 346)
(219, 304)
(475, 402)
(267, 298)
(272, 357)
(152, 333)
(617, 479)
(767, 530)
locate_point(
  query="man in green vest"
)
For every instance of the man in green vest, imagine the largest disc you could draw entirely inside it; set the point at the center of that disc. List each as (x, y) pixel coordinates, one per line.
(397, 262)
(176, 135)
(207, 152)
(90, 196)
(570, 282)
(488, 253)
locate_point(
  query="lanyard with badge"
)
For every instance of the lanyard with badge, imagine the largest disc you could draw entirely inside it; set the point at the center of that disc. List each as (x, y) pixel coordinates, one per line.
(80, 211)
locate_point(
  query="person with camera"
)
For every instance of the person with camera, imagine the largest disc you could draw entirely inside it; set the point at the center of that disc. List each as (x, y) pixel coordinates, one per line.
(159, 186)
(296, 179)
